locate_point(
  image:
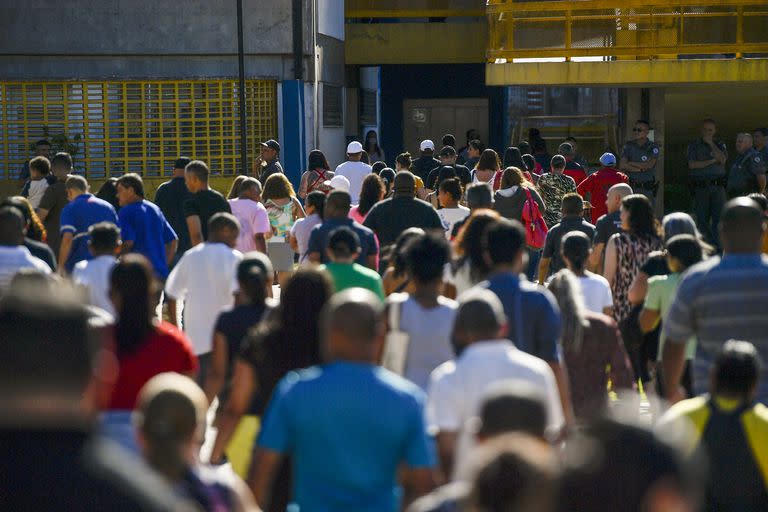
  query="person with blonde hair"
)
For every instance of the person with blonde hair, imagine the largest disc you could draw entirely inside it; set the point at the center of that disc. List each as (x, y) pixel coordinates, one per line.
(283, 209)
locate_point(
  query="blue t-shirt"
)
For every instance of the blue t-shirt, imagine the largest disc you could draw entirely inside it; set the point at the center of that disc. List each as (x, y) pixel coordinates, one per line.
(347, 427)
(533, 317)
(144, 224)
(79, 215)
(318, 239)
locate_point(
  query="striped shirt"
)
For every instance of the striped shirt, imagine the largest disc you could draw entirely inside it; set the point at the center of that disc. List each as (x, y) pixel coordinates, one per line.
(721, 299)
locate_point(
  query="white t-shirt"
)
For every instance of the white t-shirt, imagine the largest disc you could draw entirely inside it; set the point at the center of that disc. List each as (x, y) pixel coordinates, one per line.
(451, 216)
(253, 220)
(457, 390)
(94, 275)
(205, 278)
(15, 258)
(36, 190)
(355, 172)
(596, 292)
(301, 229)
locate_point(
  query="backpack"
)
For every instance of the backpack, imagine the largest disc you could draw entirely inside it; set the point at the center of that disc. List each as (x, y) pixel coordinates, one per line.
(535, 227)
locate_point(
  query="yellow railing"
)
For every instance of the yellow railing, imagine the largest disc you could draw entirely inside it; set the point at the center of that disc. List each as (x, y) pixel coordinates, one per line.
(364, 9)
(135, 126)
(629, 29)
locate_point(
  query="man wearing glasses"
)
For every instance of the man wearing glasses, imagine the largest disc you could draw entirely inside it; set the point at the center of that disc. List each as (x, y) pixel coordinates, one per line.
(638, 161)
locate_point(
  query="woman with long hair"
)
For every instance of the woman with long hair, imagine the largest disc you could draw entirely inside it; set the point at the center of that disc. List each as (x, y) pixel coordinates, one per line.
(283, 209)
(371, 193)
(591, 343)
(289, 339)
(371, 146)
(488, 169)
(388, 177)
(396, 278)
(143, 346)
(108, 192)
(514, 158)
(317, 173)
(35, 230)
(625, 253)
(470, 267)
(234, 189)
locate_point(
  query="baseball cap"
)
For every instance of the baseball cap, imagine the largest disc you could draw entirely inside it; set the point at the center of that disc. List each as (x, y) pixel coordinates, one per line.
(447, 151)
(338, 183)
(608, 159)
(354, 147)
(427, 145)
(272, 144)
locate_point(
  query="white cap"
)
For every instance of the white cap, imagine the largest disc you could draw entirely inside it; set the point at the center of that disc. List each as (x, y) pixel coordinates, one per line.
(338, 183)
(354, 147)
(426, 144)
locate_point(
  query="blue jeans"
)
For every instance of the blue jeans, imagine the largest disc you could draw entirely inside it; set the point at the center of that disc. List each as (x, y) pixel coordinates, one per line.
(118, 427)
(534, 255)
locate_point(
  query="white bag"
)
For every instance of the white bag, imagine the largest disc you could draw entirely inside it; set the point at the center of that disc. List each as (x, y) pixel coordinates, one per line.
(396, 342)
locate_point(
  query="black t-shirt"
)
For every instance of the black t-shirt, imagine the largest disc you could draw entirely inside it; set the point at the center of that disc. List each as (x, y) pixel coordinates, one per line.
(170, 198)
(205, 204)
(42, 251)
(461, 172)
(422, 166)
(607, 226)
(235, 324)
(391, 217)
(47, 469)
(555, 238)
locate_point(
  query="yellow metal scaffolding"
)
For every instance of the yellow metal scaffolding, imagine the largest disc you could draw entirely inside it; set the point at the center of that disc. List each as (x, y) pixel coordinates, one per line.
(135, 126)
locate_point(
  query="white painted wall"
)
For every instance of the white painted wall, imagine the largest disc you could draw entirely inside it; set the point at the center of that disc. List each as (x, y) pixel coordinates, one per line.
(330, 18)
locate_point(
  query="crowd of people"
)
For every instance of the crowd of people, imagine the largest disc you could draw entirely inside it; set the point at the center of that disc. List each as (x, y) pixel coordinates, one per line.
(466, 331)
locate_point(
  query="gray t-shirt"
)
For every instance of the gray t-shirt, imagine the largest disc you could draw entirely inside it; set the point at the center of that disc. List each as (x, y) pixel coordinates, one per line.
(429, 334)
(640, 154)
(699, 151)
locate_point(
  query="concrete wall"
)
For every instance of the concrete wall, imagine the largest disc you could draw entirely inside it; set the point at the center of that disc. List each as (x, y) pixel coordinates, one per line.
(145, 38)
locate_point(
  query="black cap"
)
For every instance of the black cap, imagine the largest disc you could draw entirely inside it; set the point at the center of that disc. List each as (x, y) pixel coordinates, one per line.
(272, 144)
(181, 162)
(447, 151)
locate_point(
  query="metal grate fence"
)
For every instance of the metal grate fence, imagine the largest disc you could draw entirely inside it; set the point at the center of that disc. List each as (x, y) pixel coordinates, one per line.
(134, 126)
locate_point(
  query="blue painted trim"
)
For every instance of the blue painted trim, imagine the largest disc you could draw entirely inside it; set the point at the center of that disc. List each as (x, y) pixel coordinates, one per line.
(293, 146)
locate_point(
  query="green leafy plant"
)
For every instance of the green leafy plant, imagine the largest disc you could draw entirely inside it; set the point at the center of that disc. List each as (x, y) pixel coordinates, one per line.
(62, 142)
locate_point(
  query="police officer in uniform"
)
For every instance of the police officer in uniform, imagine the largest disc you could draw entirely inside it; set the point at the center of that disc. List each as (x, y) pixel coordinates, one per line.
(760, 140)
(638, 161)
(706, 161)
(748, 170)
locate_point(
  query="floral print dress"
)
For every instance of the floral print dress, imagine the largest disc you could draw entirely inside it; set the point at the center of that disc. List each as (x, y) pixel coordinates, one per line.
(631, 253)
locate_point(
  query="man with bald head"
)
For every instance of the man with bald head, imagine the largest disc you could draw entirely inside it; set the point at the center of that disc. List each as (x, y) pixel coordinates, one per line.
(608, 225)
(720, 299)
(13, 255)
(350, 426)
(391, 217)
(484, 357)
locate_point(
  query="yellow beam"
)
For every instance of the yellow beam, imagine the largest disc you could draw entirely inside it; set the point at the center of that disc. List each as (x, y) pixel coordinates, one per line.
(502, 6)
(629, 73)
(415, 43)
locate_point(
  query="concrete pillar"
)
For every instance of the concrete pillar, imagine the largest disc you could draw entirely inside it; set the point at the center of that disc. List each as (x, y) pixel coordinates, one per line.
(657, 108)
(292, 129)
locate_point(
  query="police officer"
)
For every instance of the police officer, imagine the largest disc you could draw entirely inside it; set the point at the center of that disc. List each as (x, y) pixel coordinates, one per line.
(706, 161)
(638, 161)
(748, 170)
(760, 139)
(268, 162)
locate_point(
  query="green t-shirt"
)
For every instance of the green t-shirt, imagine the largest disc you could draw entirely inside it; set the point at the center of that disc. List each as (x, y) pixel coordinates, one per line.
(661, 293)
(353, 275)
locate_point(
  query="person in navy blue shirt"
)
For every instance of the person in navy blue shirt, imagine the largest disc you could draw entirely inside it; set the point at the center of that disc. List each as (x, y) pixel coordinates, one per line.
(350, 426)
(336, 214)
(83, 211)
(532, 313)
(143, 226)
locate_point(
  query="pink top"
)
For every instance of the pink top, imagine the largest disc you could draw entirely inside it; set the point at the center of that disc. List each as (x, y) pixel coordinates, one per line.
(253, 220)
(355, 215)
